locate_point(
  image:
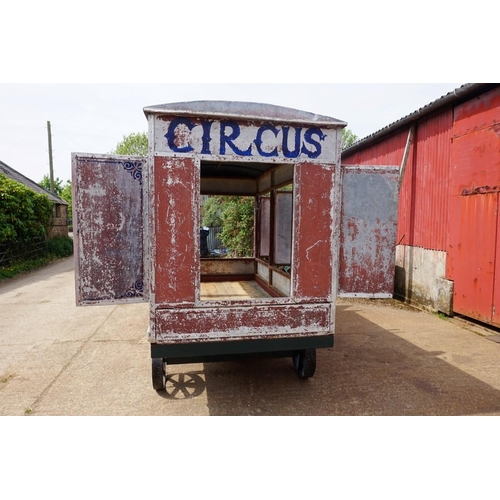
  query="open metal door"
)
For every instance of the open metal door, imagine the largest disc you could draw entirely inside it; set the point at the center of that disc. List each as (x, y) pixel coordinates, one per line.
(369, 222)
(108, 229)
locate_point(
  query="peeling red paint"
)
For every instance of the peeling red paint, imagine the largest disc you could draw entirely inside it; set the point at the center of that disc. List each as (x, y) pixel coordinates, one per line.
(241, 322)
(368, 231)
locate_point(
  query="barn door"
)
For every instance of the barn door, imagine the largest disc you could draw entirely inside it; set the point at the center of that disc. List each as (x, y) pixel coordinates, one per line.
(108, 229)
(369, 222)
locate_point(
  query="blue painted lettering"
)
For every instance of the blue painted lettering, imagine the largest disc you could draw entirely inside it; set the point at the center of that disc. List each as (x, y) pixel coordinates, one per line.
(296, 151)
(258, 141)
(173, 136)
(207, 125)
(308, 138)
(228, 139)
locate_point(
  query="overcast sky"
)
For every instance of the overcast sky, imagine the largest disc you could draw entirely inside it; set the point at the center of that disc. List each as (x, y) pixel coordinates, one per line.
(93, 118)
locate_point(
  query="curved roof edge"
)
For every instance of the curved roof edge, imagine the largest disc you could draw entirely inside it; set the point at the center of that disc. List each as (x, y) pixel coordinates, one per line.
(454, 97)
(243, 110)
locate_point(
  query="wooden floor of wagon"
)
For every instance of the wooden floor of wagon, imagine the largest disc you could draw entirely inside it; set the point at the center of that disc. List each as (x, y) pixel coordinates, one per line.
(232, 290)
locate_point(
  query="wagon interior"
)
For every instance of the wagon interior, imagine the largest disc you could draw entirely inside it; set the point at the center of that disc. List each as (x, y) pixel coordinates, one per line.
(266, 273)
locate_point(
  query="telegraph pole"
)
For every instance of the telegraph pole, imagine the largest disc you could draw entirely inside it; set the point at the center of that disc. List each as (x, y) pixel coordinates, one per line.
(51, 165)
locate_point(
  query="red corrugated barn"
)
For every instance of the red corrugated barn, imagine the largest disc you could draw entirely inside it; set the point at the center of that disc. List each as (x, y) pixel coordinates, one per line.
(449, 225)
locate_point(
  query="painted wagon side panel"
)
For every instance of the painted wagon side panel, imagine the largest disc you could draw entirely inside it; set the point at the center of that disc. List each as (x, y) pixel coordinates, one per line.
(108, 227)
(198, 324)
(368, 231)
(176, 202)
(314, 250)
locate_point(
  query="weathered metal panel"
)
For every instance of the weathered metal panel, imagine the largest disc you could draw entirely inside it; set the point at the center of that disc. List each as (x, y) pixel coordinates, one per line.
(108, 228)
(176, 206)
(244, 140)
(368, 231)
(314, 251)
(241, 322)
(283, 229)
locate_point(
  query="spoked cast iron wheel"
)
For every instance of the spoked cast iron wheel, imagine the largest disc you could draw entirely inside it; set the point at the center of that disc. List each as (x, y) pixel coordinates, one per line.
(159, 374)
(304, 363)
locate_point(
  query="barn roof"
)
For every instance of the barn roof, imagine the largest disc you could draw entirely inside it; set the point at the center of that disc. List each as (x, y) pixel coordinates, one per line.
(18, 177)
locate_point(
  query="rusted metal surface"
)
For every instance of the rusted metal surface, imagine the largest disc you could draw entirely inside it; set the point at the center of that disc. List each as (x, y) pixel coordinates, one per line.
(246, 142)
(108, 228)
(314, 249)
(231, 149)
(474, 223)
(199, 324)
(368, 231)
(176, 211)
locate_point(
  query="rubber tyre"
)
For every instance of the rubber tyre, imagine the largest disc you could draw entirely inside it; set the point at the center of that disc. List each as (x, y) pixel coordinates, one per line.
(158, 373)
(304, 363)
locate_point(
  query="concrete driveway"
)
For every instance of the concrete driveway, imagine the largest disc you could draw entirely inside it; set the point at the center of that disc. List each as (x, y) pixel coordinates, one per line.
(389, 359)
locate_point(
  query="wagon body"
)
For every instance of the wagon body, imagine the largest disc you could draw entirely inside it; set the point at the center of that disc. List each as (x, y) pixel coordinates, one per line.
(137, 226)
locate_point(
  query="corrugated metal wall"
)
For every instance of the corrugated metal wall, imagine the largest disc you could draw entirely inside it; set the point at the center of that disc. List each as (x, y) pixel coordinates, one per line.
(423, 209)
(474, 245)
(450, 196)
(387, 152)
(424, 213)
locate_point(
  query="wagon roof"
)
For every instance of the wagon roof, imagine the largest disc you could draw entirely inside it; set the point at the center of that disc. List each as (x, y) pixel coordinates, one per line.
(243, 110)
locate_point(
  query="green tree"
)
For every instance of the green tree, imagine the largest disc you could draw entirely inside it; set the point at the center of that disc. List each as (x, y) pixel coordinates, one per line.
(235, 214)
(67, 195)
(61, 190)
(58, 184)
(348, 138)
(132, 145)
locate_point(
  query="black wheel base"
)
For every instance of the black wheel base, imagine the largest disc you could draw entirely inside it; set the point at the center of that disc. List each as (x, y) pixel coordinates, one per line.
(159, 374)
(304, 363)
